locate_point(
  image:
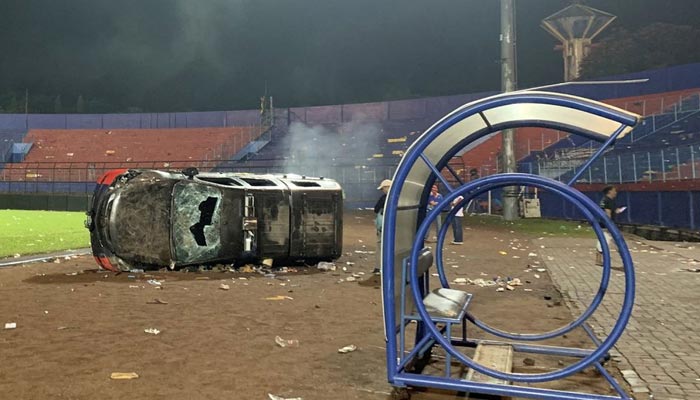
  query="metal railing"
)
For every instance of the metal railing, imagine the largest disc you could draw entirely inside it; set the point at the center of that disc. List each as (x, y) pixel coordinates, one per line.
(359, 181)
(651, 165)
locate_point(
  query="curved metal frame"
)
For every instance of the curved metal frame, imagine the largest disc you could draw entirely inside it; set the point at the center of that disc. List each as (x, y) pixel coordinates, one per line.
(607, 118)
(543, 183)
(595, 303)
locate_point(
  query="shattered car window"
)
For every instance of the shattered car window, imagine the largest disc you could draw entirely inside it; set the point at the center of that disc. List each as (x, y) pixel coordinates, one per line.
(196, 221)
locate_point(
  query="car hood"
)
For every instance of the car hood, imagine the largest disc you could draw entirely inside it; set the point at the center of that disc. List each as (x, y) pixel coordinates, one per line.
(139, 220)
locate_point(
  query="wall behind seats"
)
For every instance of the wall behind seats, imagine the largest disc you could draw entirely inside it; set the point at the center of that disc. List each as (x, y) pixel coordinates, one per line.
(660, 207)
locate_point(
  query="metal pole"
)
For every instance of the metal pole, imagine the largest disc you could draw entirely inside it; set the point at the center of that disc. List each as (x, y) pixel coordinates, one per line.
(605, 170)
(619, 167)
(692, 160)
(663, 165)
(508, 84)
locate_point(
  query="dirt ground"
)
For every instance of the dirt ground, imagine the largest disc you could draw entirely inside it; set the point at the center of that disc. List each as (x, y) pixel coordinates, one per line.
(76, 326)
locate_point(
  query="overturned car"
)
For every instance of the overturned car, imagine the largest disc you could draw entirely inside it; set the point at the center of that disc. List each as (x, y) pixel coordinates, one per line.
(153, 219)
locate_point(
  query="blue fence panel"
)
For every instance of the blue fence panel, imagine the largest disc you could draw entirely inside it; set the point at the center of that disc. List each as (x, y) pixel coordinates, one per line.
(364, 112)
(13, 121)
(206, 119)
(643, 208)
(406, 109)
(163, 120)
(47, 121)
(243, 118)
(694, 199)
(84, 121)
(121, 121)
(323, 115)
(675, 209)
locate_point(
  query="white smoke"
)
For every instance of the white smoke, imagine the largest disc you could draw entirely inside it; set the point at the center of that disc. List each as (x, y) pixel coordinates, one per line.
(314, 150)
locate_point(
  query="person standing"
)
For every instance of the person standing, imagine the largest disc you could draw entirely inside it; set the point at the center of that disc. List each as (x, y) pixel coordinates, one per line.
(457, 230)
(607, 203)
(379, 221)
(433, 200)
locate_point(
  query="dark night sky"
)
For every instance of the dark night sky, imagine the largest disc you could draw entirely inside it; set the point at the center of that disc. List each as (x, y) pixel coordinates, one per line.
(173, 55)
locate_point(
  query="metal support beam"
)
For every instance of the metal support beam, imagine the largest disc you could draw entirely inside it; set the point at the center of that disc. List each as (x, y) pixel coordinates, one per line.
(508, 84)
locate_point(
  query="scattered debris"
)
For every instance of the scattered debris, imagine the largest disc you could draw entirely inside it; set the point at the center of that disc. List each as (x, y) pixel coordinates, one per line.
(350, 279)
(347, 349)
(529, 362)
(537, 276)
(461, 280)
(157, 301)
(267, 262)
(503, 253)
(123, 375)
(278, 298)
(224, 286)
(286, 343)
(483, 283)
(532, 255)
(500, 289)
(273, 397)
(10, 325)
(326, 266)
(152, 331)
(62, 328)
(154, 282)
(247, 269)
(541, 269)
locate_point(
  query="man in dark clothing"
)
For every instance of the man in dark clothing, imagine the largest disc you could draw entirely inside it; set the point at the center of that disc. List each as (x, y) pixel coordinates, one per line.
(607, 203)
(379, 219)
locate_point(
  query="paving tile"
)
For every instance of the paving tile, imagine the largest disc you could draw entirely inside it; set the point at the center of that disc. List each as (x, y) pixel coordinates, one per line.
(662, 342)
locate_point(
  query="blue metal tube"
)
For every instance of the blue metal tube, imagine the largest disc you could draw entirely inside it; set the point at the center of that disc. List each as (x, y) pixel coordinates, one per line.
(597, 154)
(591, 334)
(512, 180)
(437, 173)
(611, 381)
(528, 348)
(389, 234)
(497, 390)
(605, 278)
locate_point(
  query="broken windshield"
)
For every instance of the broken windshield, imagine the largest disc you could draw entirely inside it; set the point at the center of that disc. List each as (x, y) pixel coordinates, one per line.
(196, 220)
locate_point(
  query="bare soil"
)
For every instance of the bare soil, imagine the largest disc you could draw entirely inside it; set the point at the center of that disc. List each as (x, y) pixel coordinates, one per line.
(77, 325)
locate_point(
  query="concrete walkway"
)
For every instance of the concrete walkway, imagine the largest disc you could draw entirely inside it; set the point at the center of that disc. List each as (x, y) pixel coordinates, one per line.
(660, 350)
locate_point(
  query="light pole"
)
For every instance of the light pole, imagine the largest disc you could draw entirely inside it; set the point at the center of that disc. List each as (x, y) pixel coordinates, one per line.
(508, 84)
(575, 27)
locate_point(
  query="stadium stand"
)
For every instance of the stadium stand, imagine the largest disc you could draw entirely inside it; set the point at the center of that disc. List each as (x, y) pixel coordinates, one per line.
(72, 152)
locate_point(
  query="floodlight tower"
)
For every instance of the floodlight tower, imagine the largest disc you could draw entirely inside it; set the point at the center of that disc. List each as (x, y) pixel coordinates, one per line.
(575, 27)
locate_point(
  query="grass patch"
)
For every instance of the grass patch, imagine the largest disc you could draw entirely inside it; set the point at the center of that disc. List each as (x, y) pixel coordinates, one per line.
(532, 226)
(34, 232)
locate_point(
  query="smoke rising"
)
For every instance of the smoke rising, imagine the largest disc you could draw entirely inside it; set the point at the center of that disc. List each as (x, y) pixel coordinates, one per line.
(314, 150)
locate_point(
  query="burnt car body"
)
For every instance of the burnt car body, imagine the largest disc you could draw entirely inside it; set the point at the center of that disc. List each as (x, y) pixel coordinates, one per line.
(154, 219)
